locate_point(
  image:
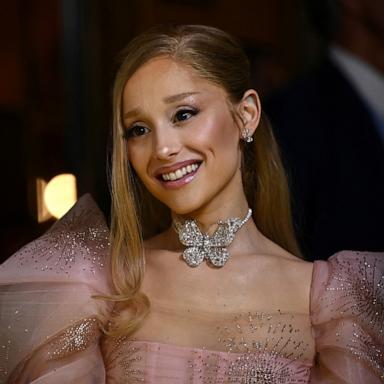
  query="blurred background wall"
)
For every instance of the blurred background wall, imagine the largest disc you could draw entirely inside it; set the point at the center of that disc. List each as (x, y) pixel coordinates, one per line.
(57, 62)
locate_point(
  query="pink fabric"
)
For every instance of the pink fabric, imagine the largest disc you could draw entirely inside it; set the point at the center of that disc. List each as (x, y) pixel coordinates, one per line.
(347, 310)
(169, 364)
(50, 324)
(45, 288)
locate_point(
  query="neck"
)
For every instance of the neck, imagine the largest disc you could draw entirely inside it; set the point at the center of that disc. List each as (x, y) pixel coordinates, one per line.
(230, 203)
(214, 249)
(248, 239)
(361, 40)
(207, 217)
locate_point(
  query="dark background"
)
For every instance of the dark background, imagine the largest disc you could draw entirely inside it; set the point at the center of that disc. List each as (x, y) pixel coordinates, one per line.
(57, 63)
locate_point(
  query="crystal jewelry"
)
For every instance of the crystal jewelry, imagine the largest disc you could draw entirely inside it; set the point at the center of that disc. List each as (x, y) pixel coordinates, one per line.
(247, 137)
(202, 246)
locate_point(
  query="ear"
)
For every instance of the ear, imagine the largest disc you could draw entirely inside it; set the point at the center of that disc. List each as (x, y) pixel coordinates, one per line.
(249, 112)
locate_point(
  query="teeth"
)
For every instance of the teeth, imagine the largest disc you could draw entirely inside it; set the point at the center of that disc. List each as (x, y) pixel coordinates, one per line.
(179, 173)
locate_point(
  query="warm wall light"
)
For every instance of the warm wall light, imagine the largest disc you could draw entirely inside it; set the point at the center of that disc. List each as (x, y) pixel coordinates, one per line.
(56, 197)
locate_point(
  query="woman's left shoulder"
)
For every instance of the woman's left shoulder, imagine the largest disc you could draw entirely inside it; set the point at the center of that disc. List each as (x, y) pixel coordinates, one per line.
(347, 314)
(348, 270)
(293, 268)
(351, 280)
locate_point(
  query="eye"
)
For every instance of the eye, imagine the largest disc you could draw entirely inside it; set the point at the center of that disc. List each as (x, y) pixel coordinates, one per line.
(136, 131)
(184, 114)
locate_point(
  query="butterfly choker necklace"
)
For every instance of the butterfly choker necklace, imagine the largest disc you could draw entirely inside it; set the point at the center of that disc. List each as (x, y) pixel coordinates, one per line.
(202, 246)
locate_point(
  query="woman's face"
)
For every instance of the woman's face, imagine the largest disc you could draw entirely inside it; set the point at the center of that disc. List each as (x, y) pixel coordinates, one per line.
(182, 139)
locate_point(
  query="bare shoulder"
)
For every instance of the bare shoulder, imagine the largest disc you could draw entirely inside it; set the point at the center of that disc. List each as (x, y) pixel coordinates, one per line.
(284, 265)
(285, 277)
(288, 264)
(296, 266)
(293, 266)
(298, 274)
(295, 275)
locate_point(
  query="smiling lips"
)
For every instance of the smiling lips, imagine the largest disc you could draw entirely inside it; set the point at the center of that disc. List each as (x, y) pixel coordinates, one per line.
(179, 173)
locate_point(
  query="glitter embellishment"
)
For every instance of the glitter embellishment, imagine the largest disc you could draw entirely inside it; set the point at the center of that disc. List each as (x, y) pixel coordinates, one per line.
(358, 288)
(74, 339)
(269, 349)
(201, 246)
(251, 348)
(122, 360)
(81, 236)
(264, 368)
(355, 297)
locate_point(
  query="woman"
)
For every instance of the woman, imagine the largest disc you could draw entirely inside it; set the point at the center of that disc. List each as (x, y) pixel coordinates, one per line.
(220, 295)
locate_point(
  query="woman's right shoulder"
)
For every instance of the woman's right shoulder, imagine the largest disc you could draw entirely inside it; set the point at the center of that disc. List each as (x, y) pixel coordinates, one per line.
(75, 248)
(46, 294)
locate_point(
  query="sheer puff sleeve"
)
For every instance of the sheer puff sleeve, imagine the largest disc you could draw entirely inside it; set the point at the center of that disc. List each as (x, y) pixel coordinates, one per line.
(347, 310)
(50, 324)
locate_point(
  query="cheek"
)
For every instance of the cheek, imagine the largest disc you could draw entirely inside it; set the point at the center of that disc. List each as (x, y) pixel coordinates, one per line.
(217, 132)
(136, 158)
(131, 155)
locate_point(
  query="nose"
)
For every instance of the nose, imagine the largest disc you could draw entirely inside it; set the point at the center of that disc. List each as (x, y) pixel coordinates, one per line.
(167, 143)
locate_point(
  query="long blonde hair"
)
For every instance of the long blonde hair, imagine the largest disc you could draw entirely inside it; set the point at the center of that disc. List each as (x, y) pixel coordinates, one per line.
(217, 57)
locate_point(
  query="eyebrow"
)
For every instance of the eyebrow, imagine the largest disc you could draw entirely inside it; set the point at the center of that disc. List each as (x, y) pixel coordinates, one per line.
(132, 112)
(178, 97)
(167, 100)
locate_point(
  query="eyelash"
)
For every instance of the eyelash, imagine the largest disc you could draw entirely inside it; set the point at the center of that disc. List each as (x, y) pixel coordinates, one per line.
(190, 111)
(130, 132)
(176, 119)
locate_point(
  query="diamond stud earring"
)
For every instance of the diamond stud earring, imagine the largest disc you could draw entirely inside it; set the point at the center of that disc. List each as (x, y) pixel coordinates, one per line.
(247, 137)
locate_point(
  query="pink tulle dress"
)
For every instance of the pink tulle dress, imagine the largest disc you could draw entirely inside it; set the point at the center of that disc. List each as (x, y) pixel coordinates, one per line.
(51, 327)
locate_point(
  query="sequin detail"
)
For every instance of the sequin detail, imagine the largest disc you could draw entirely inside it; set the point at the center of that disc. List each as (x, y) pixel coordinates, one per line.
(76, 338)
(121, 360)
(355, 293)
(270, 348)
(264, 368)
(254, 348)
(4, 356)
(366, 348)
(360, 290)
(81, 234)
(74, 253)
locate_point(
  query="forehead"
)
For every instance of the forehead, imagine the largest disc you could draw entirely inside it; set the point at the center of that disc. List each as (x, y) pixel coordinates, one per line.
(162, 77)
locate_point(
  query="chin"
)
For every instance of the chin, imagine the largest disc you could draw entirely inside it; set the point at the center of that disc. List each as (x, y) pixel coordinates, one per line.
(184, 206)
(183, 209)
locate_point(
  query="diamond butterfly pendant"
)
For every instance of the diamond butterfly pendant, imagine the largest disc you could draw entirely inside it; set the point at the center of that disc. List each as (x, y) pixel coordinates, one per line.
(201, 246)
